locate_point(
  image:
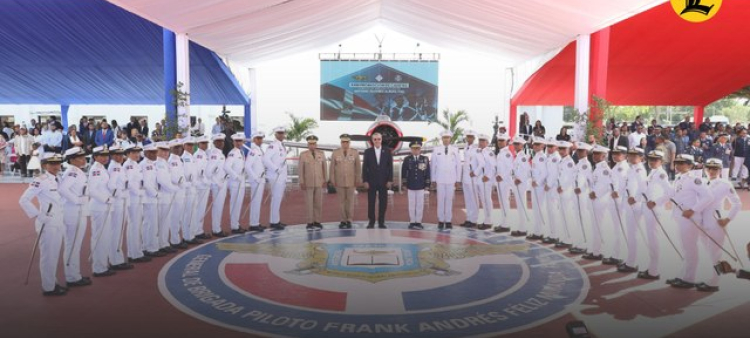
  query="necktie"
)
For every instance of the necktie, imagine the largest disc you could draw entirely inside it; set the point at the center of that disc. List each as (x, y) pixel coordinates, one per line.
(446, 150)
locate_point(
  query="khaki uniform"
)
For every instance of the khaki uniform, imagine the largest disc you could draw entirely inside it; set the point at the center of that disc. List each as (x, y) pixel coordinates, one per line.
(312, 176)
(345, 169)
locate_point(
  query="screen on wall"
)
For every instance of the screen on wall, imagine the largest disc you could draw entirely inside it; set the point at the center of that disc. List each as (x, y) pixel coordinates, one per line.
(362, 90)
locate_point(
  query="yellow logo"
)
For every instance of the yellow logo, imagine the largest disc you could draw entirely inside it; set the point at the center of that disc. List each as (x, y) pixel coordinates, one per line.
(696, 10)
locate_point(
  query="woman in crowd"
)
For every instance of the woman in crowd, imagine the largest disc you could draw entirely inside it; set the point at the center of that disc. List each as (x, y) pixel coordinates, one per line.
(22, 144)
(115, 127)
(36, 133)
(72, 139)
(539, 129)
(563, 135)
(3, 148)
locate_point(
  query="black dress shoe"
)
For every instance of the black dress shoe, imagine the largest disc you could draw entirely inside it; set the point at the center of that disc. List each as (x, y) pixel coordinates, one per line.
(154, 254)
(448, 226)
(441, 226)
(611, 261)
(646, 275)
(534, 237)
(142, 259)
(550, 240)
(681, 284)
(624, 268)
(203, 236)
(470, 225)
(194, 241)
(516, 233)
(57, 291)
(382, 226)
(180, 246)
(238, 231)
(744, 274)
(563, 245)
(703, 287)
(318, 226)
(168, 250)
(371, 226)
(342, 225)
(501, 228)
(277, 227)
(418, 226)
(81, 282)
(590, 256)
(310, 227)
(123, 266)
(483, 226)
(219, 234)
(256, 228)
(107, 273)
(465, 223)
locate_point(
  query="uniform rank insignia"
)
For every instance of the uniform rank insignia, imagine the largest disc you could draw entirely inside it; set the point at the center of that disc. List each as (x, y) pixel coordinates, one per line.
(270, 147)
(619, 169)
(570, 165)
(116, 169)
(698, 181)
(174, 164)
(148, 167)
(554, 160)
(72, 174)
(422, 166)
(606, 172)
(96, 173)
(213, 157)
(231, 154)
(523, 159)
(662, 176)
(507, 155)
(129, 167)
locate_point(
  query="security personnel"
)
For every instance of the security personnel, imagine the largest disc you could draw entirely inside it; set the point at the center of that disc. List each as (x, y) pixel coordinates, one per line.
(256, 172)
(178, 206)
(150, 233)
(117, 185)
(722, 150)
(344, 173)
(101, 208)
(73, 189)
(504, 184)
(567, 202)
(192, 181)
(234, 166)
(202, 185)
(632, 209)
(49, 221)
(275, 162)
(655, 195)
(312, 180)
(693, 196)
(166, 192)
(716, 219)
(538, 179)
(415, 173)
(467, 181)
(521, 177)
(218, 177)
(445, 172)
(134, 177)
(741, 147)
(581, 189)
(551, 197)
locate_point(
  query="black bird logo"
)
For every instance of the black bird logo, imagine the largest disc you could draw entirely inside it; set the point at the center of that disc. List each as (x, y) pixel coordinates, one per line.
(695, 6)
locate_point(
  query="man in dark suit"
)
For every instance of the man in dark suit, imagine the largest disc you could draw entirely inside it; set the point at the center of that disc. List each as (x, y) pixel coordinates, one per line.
(105, 136)
(617, 140)
(377, 175)
(89, 137)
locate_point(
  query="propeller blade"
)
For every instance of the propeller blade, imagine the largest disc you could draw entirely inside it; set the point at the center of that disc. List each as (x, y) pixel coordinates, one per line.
(363, 138)
(407, 139)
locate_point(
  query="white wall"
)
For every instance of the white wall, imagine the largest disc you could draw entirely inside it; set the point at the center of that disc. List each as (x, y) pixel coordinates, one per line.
(551, 117)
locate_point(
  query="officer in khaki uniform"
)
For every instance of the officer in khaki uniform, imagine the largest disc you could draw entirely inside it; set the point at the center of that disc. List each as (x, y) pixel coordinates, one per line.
(345, 169)
(312, 179)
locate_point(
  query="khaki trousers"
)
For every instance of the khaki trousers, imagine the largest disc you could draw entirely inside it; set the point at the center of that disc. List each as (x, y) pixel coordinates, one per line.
(346, 203)
(314, 203)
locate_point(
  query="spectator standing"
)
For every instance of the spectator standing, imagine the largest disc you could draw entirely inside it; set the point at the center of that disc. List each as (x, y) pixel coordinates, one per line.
(72, 139)
(681, 141)
(634, 139)
(217, 127)
(105, 136)
(144, 127)
(22, 143)
(563, 135)
(723, 150)
(539, 129)
(89, 138)
(706, 125)
(741, 146)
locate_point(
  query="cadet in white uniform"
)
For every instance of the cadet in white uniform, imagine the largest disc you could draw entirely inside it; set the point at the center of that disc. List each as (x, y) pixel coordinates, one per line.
(551, 197)
(177, 209)
(655, 195)
(715, 218)
(632, 209)
(445, 171)
(150, 232)
(134, 177)
(48, 223)
(692, 196)
(101, 209)
(275, 162)
(521, 176)
(467, 183)
(117, 185)
(215, 171)
(538, 179)
(73, 189)
(257, 174)
(234, 166)
(567, 200)
(504, 182)
(202, 185)
(167, 190)
(619, 175)
(190, 189)
(600, 196)
(484, 167)
(581, 186)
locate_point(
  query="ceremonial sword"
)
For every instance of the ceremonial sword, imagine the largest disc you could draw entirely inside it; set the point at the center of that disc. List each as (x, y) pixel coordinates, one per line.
(718, 217)
(521, 199)
(662, 228)
(562, 210)
(580, 214)
(36, 244)
(703, 231)
(619, 217)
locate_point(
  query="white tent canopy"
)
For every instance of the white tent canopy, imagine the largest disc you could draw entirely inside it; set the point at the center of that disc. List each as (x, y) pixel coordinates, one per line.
(249, 31)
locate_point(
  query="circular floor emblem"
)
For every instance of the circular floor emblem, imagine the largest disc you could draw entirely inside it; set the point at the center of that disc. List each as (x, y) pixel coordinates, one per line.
(367, 283)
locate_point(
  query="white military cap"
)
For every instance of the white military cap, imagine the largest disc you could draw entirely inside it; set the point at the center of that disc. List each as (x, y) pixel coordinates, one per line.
(259, 133)
(238, 137)
(470, 132)
(279, 129)
(600, 149)
(103, 150)
(131, 147)
(149, 147)
(202, 139)
(51, 158)
(188, 140)
(115, 149)
(684, 158)
(484, 137)
(219, 136)
(175, 143)
(563, 144)
(163, 145)
(714, 163)
(74, 152)
(635, 151)
(539, 140)
(657, 154)
(584, 146)
(519, 139)
(446, 133)
(620, 150)
(502, 137)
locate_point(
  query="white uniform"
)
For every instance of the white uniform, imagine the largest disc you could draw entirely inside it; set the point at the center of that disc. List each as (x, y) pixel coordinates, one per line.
(202, 184)
(582, 202)
(619, 175)
(657, 189)
(76, 202)
(722, 190)
(116, 185)
(485, 188)
(445, 171)
(538, 175)
(50, 214)
(275, 162)
(551, 197)
(234, 165)
(166, 200)
(568, 173)
(256, 172)
(522, 172)
(690, 193)
(467, 183)
(218, 178)
(602, 209)
(150, 232)
(190, 191)
(633, 214)
(503, 169)
(177, 210)
(101, 208)
(134, 177)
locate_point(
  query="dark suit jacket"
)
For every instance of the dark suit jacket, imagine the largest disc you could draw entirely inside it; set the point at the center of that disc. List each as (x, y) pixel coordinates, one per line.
(623, 141)
(108, 138)
(88, 139)
(374, 174)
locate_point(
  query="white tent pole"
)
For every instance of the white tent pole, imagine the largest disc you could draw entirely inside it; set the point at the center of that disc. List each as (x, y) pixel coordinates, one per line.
(583, 58)
(182, 48)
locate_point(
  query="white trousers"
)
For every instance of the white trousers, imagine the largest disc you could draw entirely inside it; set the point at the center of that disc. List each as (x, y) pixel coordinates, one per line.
(632, 218)
(189, 211)
(445, 193)
(725, 173)
(554, 221)
(739, 169)
(416, 205)
(714, 251)
(601, 207)
(484, 195)
(503, 198)
(619, 231)
(50, 241)
(652, 236)
(218, 196)
(580, 213)
(150, 227)
(236, 196)
(165, 204)
(519, 194)
(135, 228)
(538, 203)
(74, 218)
(256, 197)
(116, 255)
(278, 186)
(101, 231)
(470, 199)
(568, 218)
(201, 202)
(175, 217)
(689, 236)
